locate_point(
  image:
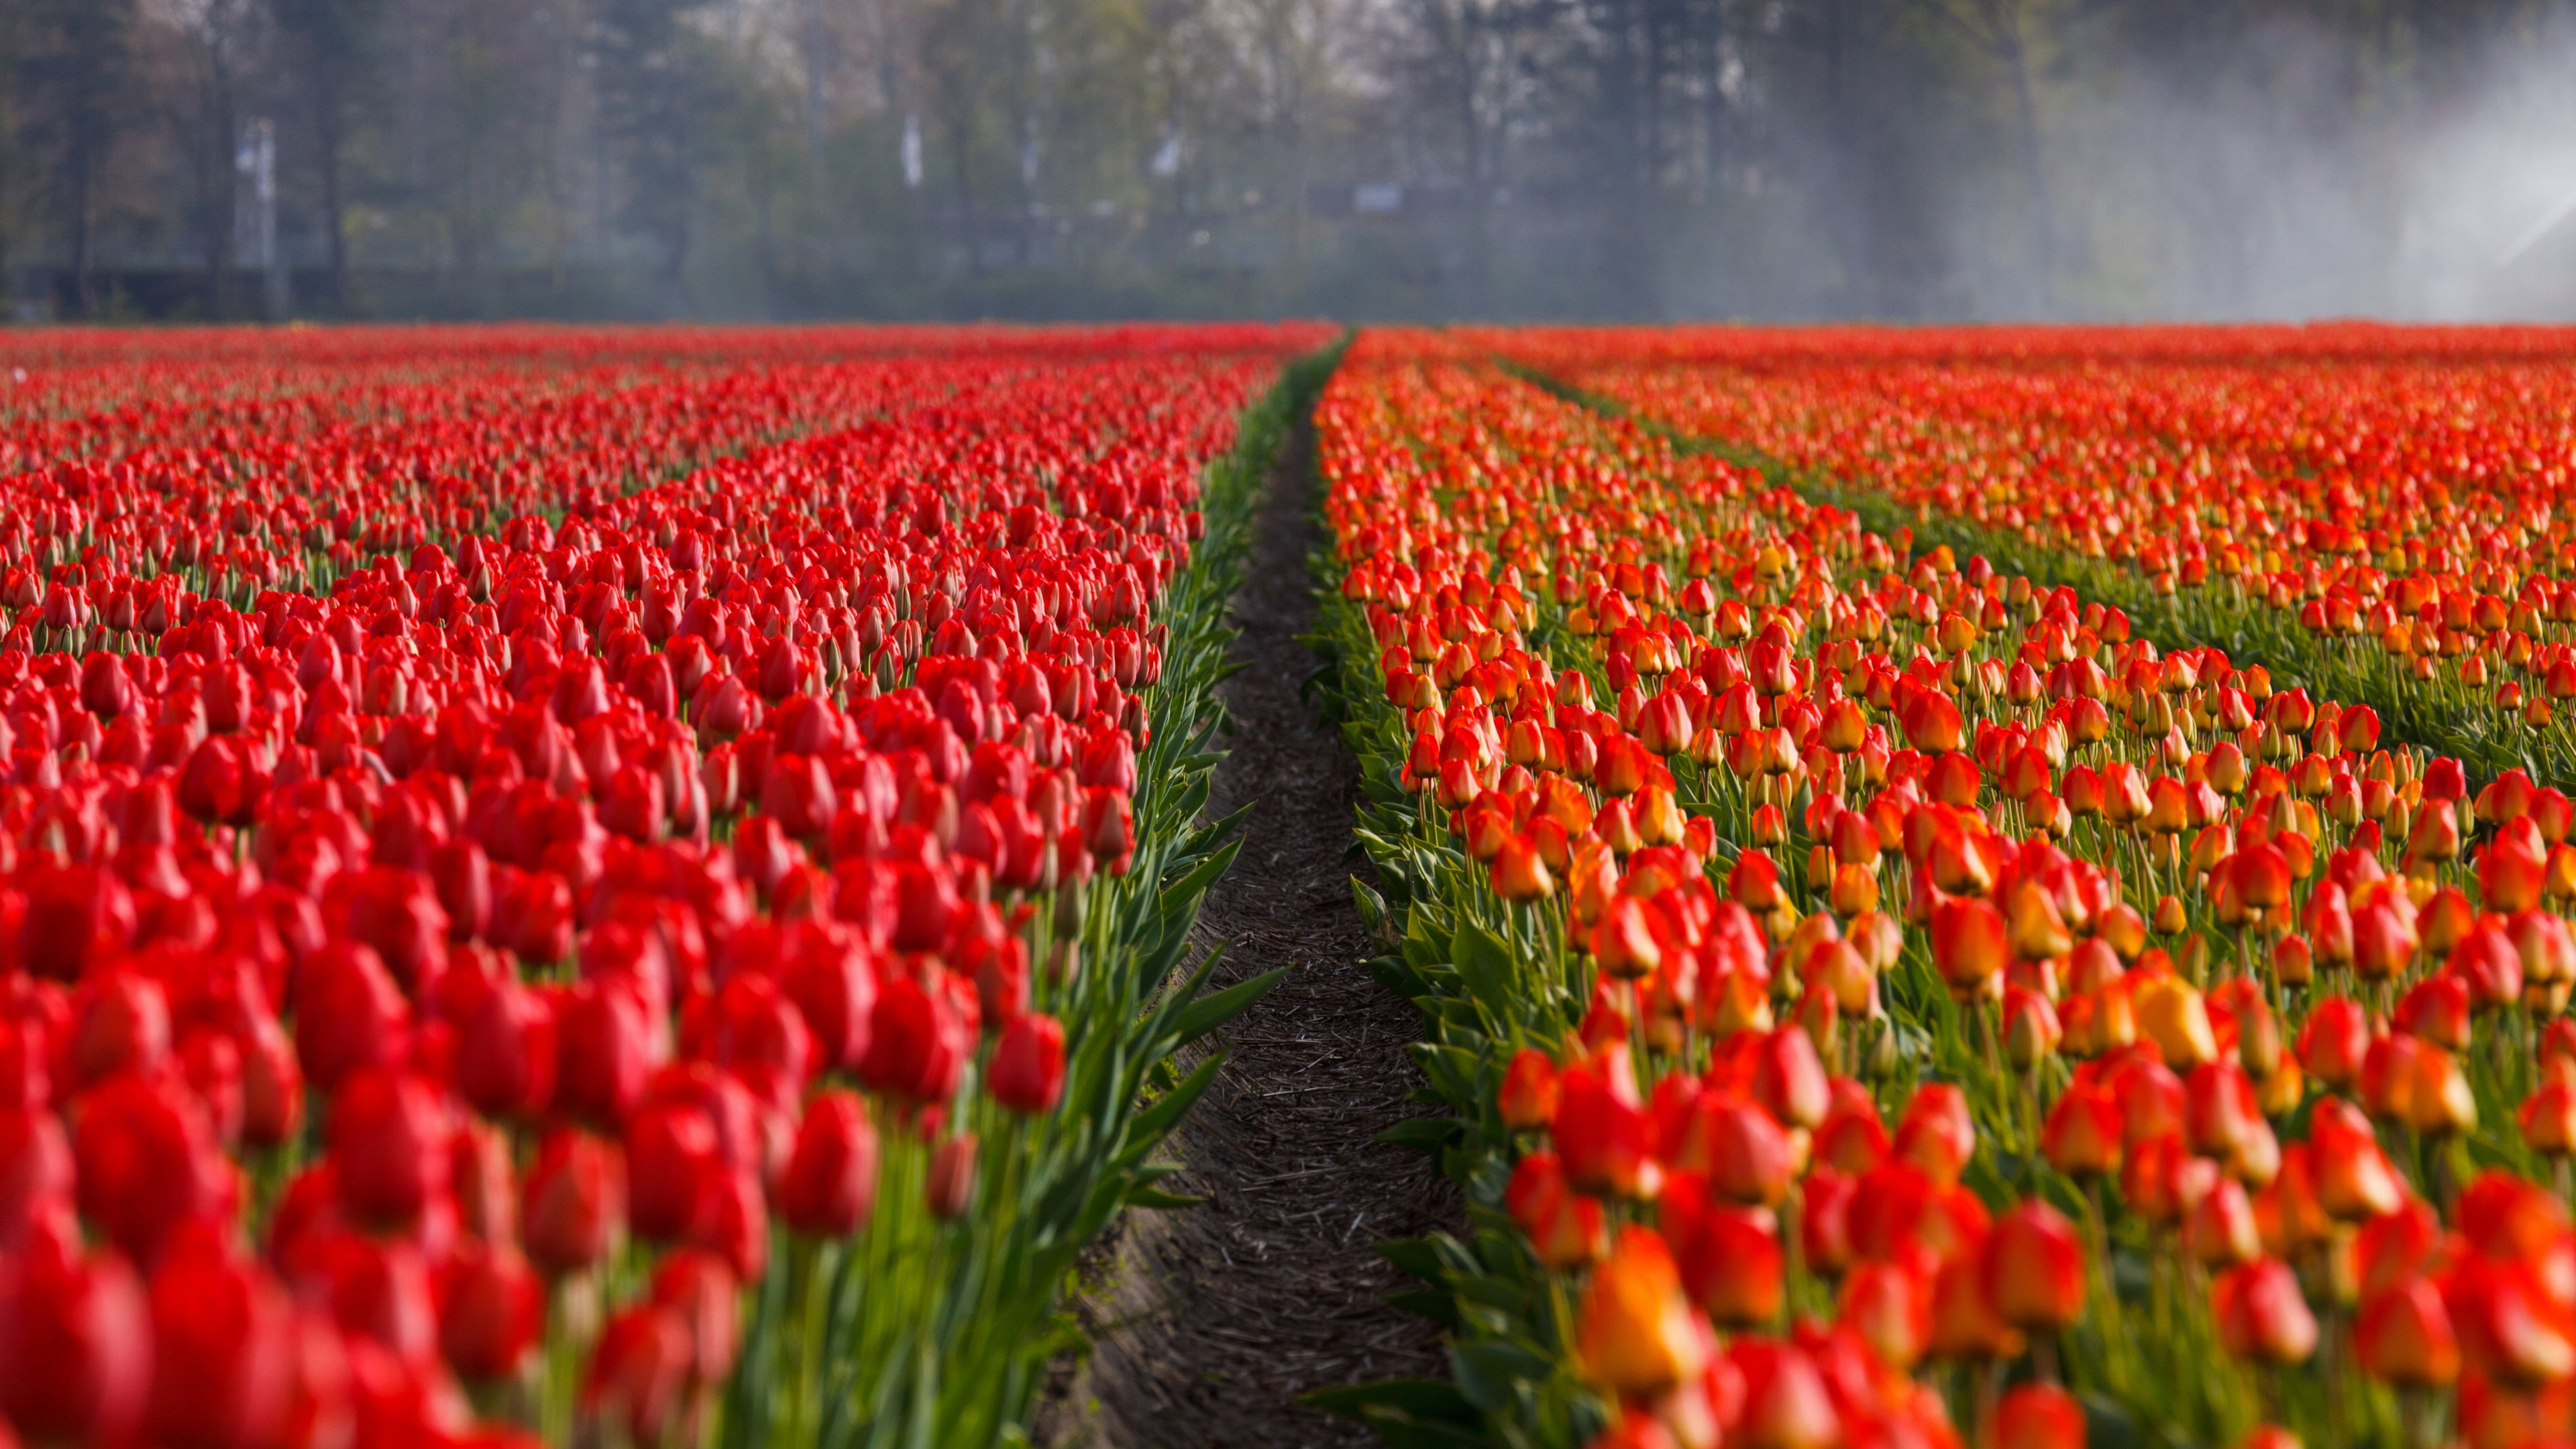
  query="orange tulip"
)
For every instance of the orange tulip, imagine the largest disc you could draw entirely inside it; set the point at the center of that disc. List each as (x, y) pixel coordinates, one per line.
(1635, 1334)
(1528, 1095)
(1970, 944)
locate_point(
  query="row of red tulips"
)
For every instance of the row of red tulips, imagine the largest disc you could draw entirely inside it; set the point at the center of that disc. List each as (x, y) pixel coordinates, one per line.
(1881, 995)
(684, 968)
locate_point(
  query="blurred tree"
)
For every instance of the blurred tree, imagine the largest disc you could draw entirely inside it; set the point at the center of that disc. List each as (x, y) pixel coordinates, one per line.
(331, 48)
(73, 59)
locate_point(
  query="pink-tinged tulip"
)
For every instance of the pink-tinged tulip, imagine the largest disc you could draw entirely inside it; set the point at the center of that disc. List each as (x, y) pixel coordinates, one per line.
(830, 1182)
(2261, 1315)
(1028, 1064)
(574, 1207)
(2219, 1227)
(2512, 1326)
(704, 1291)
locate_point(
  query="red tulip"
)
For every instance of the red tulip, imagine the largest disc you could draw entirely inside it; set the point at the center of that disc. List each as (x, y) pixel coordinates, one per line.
(2034, 1268)
(146, 1163)
(829, 1183)
(1563, 1226)
(391, 1143)
(574, 1206)
(2039, 1416)
(223, 1352)
(491, 1311)
(1028, 1064)
(1528, 1096)
(75, 1342)
(2261, 1314)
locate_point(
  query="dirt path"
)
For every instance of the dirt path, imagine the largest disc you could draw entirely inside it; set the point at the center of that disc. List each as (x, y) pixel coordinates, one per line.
(1212, 1319)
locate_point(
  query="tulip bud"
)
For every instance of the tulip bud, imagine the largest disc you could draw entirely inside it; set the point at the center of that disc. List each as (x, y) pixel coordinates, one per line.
(950, 1188)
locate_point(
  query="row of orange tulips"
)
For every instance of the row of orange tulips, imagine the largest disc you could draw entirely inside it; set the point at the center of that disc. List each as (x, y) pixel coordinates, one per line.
(2377, 512)
(1885, 1000)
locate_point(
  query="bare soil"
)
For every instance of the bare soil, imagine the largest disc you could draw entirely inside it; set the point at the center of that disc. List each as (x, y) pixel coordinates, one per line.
(1208, 1321)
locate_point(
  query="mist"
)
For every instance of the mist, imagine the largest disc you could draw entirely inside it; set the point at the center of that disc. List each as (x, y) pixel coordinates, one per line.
(1770, 160)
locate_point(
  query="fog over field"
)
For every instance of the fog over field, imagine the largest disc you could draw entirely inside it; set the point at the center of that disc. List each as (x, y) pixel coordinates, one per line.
(1897, 159)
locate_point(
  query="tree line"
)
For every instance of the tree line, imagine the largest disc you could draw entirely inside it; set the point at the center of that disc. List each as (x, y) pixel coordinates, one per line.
(1503, 158)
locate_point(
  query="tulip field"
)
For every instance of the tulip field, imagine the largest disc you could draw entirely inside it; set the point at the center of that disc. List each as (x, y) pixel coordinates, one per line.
(626, 888)
(1982, 887)
(1962, 887)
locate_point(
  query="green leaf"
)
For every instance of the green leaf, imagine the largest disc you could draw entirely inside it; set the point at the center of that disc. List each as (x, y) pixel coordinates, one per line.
(1489, 1367)
(1423, 1134)
(1423, 1401)
(1414, 1257)
(1372, 907)
(1212, 1011)
(1432, 1303)
(1486, 965)
(1152, 1123)
(1144, 1195)
(1391, 972)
